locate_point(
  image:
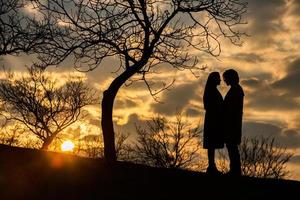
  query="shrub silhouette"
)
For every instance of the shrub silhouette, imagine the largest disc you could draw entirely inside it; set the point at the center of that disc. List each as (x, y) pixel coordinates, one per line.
(261, 157)
(169, 144)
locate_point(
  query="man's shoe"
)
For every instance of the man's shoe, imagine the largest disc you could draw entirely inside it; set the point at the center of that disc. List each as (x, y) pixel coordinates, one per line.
(234, 174)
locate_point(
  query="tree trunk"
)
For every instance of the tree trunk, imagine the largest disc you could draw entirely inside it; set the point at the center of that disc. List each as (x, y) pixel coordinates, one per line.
(48, 141)
(107, 125)
(107, 112)
(46, 144)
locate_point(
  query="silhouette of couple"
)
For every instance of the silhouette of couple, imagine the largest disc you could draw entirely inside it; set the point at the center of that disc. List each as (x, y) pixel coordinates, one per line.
(223, 120)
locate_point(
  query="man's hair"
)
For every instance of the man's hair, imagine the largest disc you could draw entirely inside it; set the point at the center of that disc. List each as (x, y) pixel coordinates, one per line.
(231, 76)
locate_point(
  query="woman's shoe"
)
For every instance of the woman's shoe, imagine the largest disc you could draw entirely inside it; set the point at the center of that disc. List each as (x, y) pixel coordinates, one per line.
(213, 171)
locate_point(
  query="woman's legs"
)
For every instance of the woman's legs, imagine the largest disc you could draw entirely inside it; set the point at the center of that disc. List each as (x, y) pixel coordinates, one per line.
(212, 169)
(211, 157)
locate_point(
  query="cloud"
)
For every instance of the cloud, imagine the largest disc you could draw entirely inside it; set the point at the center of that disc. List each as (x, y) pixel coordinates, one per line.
(268, 99)
(291, 137)
(295, 159)
(252, 83)
(140, 85)
(194, 112)
(124, 103)
(92, 138)
(282, 94)
(296, 120)
(291, 82)
(248, 57)
(176, 99)
(264, 18)
(94, 121)
(252, 129)
(263, 96)
(284, 137)
(130, 127)
(16, 63)
(295, 7)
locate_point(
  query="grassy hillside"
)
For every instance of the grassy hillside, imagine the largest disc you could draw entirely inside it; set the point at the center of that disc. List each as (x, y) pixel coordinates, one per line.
(34, 174)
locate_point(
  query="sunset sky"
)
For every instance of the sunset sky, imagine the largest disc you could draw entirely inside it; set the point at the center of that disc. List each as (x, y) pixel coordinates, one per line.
(268, 63)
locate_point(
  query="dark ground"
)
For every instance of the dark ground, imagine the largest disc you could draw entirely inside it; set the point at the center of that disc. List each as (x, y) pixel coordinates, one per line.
(34, 174)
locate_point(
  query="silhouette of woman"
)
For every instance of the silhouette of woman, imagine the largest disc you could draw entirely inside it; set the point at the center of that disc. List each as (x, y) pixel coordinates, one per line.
(213, 133)
(233, 112)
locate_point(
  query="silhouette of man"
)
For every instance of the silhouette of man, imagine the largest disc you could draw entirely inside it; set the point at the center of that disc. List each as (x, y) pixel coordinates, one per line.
(233, 112)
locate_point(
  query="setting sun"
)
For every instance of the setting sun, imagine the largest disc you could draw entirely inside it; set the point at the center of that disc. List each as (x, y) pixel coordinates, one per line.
(67, 146)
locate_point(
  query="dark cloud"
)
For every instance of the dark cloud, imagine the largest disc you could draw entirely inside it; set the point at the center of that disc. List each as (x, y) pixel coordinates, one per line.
(265, 97)
(252, 129)
(104, 71)
(194, 112)
(296, 7)
(296, 121)
(124, 103)
(252, 83)
(295, 159)
(94, 121)
(264, 16)
(248, 57)
(282, 47)
(176, 99)
(291, 82)
(156, 83)
(279, 95)
(284, 137)
(268, 99)
(91, 138)
(140, 85)
(291, 137)
(16, 63)
(76, 132)
(130, 127)
(255, 79)
(296, 40)
(164, 67)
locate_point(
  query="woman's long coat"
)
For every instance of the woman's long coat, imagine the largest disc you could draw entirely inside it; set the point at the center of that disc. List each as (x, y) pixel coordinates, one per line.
(213, 127)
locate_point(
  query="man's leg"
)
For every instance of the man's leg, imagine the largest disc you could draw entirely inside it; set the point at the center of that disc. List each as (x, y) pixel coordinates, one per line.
(234, 157)
(211, 157)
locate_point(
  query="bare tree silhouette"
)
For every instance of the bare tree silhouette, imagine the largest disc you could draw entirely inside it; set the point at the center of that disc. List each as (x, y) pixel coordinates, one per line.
(163, 143)
(142, 34)
(18, 33)
(39, 103)
(10, 135)
(123, 148)
(261, 157)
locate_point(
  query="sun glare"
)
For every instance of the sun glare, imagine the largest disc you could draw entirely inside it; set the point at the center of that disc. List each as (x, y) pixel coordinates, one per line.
(67, 146)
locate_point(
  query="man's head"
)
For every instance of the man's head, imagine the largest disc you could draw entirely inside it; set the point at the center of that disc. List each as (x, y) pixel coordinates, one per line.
(231, 77)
